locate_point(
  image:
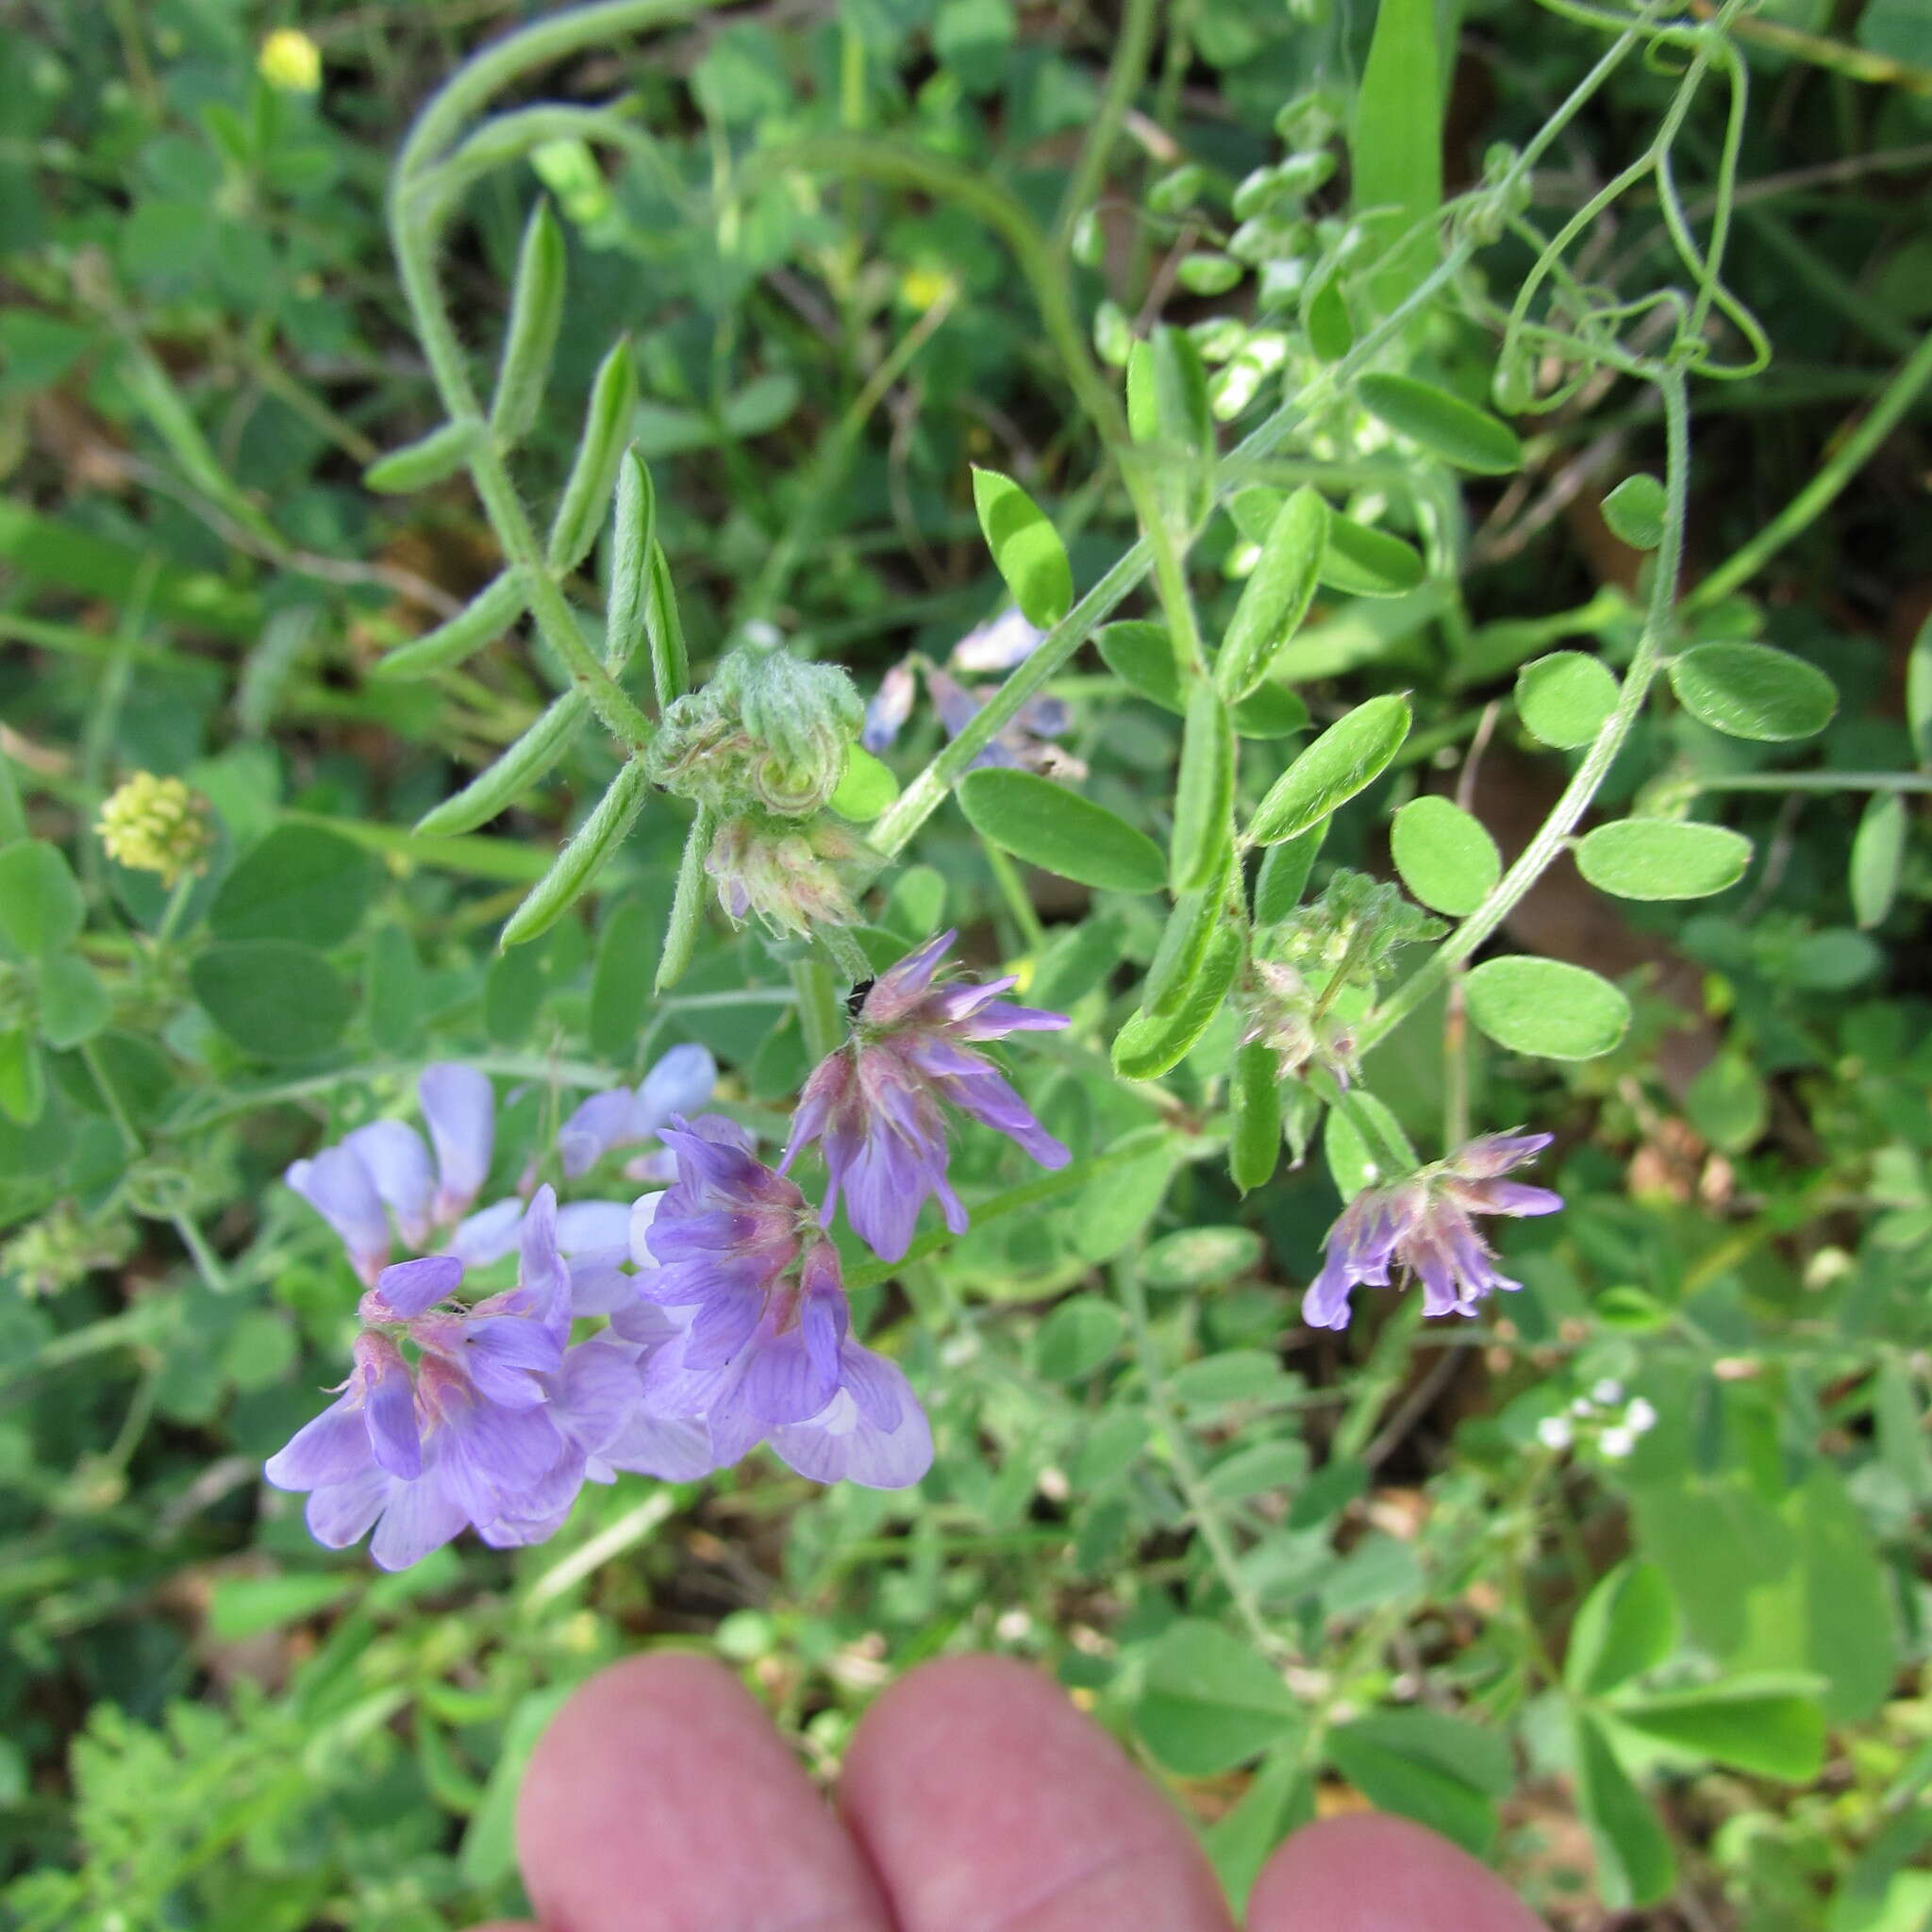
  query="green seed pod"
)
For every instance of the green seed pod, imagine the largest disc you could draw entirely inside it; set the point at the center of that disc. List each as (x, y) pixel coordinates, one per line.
(499, 786)
(536, 311)
(426, 461)
(1254, 1143)
(481, 621)
(576, 866)
(606, 423)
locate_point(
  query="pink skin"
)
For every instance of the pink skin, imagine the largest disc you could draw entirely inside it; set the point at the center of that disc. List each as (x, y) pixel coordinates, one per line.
(976, 1798)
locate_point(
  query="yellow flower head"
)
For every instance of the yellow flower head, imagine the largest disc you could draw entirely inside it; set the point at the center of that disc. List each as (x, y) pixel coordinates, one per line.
(156, 824)
(291, 61)
(919, 287)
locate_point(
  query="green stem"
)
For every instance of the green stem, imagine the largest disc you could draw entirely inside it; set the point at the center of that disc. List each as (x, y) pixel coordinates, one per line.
(1125, 73)
(819, 1019)
(1808, 781)
(1006, 876)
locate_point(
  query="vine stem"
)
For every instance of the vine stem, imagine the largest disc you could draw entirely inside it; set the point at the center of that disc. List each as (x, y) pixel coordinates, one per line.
(1568, 812)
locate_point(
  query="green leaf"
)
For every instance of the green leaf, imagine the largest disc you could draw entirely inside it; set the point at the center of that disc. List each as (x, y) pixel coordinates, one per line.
(1547, 1007)
(1565, 699)
(591, 849)
(1919, 694)
(1324, 317)
(274, 1000)
(484, 619)
(300, 883)
(1395, 148)
(1878, 852)
(1457, 431)
(1473, 1755)
(1738, 1724)
(1253, 1141)
(536, 314)
(1027, 549)
(865, 788)
(1284, 875)
(1207, 1702)
(593, 470)
(1635, 1864)
(41, 907)
(392, 990)
(1184, 941)
(1061, 831)
(74, 1003)
(1635, 511)
(1277, 595)
(1445, 858)
(619, 978)
(500, 785)
(23, 1078)
(1411, 1787)
(1662, 858)
(1082, 1333)
(1200, 1256)
(1279, 1799)
(1347, 757)
(1141, 655)
(1627, 1625)
(1169, 417)
(1150, 1044)
(1727, 1104)
(1352, 1164)
(1270, 711)
(633, 551)
(1203, 795)
(1362, 561)
(1750, 691)
(244, 1607)
(428, 460)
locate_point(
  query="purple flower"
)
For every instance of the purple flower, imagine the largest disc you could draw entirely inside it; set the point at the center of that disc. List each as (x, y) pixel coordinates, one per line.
(383, 1174)
(767, 1352)
(681, 1082)
(876, 1103)
(465, 1435)
(1422, 1225)
(998, 645)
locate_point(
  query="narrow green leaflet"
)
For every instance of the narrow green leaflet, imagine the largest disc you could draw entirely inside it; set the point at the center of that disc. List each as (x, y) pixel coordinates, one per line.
(1662, 858)
(500, 785)
(1635, 1866)
(1141, 655)
(593, 470)
(1367, 562)
(1353, 1163)
(1284, 875)
(536, 314)
(633, 546)
(1277, 595)
(1919, 695)
(1061, 831)
(589, 850)
(1445, 857)
(1627, 1625)
(23, 1078)
(1078, 1338)
(1254, 1141)
(1566, 698)
(1635, 511)
(41, 909)
(1396, 147)
(1184, 941)
(1459, 432)
(1150, 1044)
(1752, 690)
(1207, 1702)
(1546, 1008)
(484, 619)
(428, 460)
(1752, 1729)
(1204, 796)
(1027, 549)
(1347, 757)
(1878, 852)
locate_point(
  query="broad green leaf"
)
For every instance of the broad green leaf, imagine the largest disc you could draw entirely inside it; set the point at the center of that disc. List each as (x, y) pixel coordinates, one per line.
(1204, 793)
(1547, 1007)
(1728, 1103)
(1207, 1702)
(23, 1078)
(865, 788)
(1662, 858)
(1467, 1752)
(1395, 148)
(1280, 1798)
(1284, 875)
(12, 814)
(40, 907)
(1277, 595)
(1253, 1141)
(1257, 1468)
(1635, 1864)
(1627, 1625)
(392, 990)
(1738, 1724)
(1878, 852)
(1270, 711)
(1565, 699)
(274, 1000)
(1457, 431)
(1635, 511)
(1141, 655)
(300, 883)
(1445, 858)
(1200, 1256)
(1412, 1787)
(1346, 760)
(1150, 1044)
(74, 1003)
(1027, 549)
(536, 314)
(1363, 561)
(1080, 1334)
(1752, 690)
(242, 1607)
(1352, 1164)
(1061, 831)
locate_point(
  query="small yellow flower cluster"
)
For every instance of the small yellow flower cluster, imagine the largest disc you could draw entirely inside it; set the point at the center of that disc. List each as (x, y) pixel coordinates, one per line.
(155, 825)
(291, 63)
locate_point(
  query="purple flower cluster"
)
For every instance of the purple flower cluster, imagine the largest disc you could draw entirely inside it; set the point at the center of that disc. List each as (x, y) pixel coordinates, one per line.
(1423, 1225)
(726, 1317)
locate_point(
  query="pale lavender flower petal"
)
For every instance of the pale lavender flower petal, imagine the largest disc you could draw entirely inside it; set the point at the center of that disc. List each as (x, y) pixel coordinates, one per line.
(599, 1123)
(681, 1082)
(339, 1514)
(872, 1432)
(489, 1234)
(332, 1449)
(419, 1517)
(409, 1288)
(886, 715)
(461, 1111)
(338, 1186)
(398, 1163)
(675, 1449)
(1006, 640)
(591, 1227)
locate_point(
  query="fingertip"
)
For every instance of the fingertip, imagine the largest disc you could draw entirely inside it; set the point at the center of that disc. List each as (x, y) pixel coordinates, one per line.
(1368, 1872)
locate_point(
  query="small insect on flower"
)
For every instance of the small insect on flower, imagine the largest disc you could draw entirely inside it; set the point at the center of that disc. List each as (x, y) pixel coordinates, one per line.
(156, 824)
(1423, 1226)
(876, 1104)
(766, 1355)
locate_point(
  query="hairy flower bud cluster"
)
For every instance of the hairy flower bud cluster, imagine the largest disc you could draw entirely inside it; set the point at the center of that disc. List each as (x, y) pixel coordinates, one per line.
(1282, 1011)
(1351, 934)
(769, 733)
(790, 876)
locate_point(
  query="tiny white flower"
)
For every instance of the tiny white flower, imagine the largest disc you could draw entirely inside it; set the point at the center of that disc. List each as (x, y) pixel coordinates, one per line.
(1616, 1443)
(1554, 1432)
(1607, 1393)
(1639, 1417)
(1582, 1406)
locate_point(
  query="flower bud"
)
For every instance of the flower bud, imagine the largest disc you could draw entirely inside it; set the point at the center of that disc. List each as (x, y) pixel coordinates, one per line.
(791, 878)
(290, 61)
(156, 824)
(769, 733)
